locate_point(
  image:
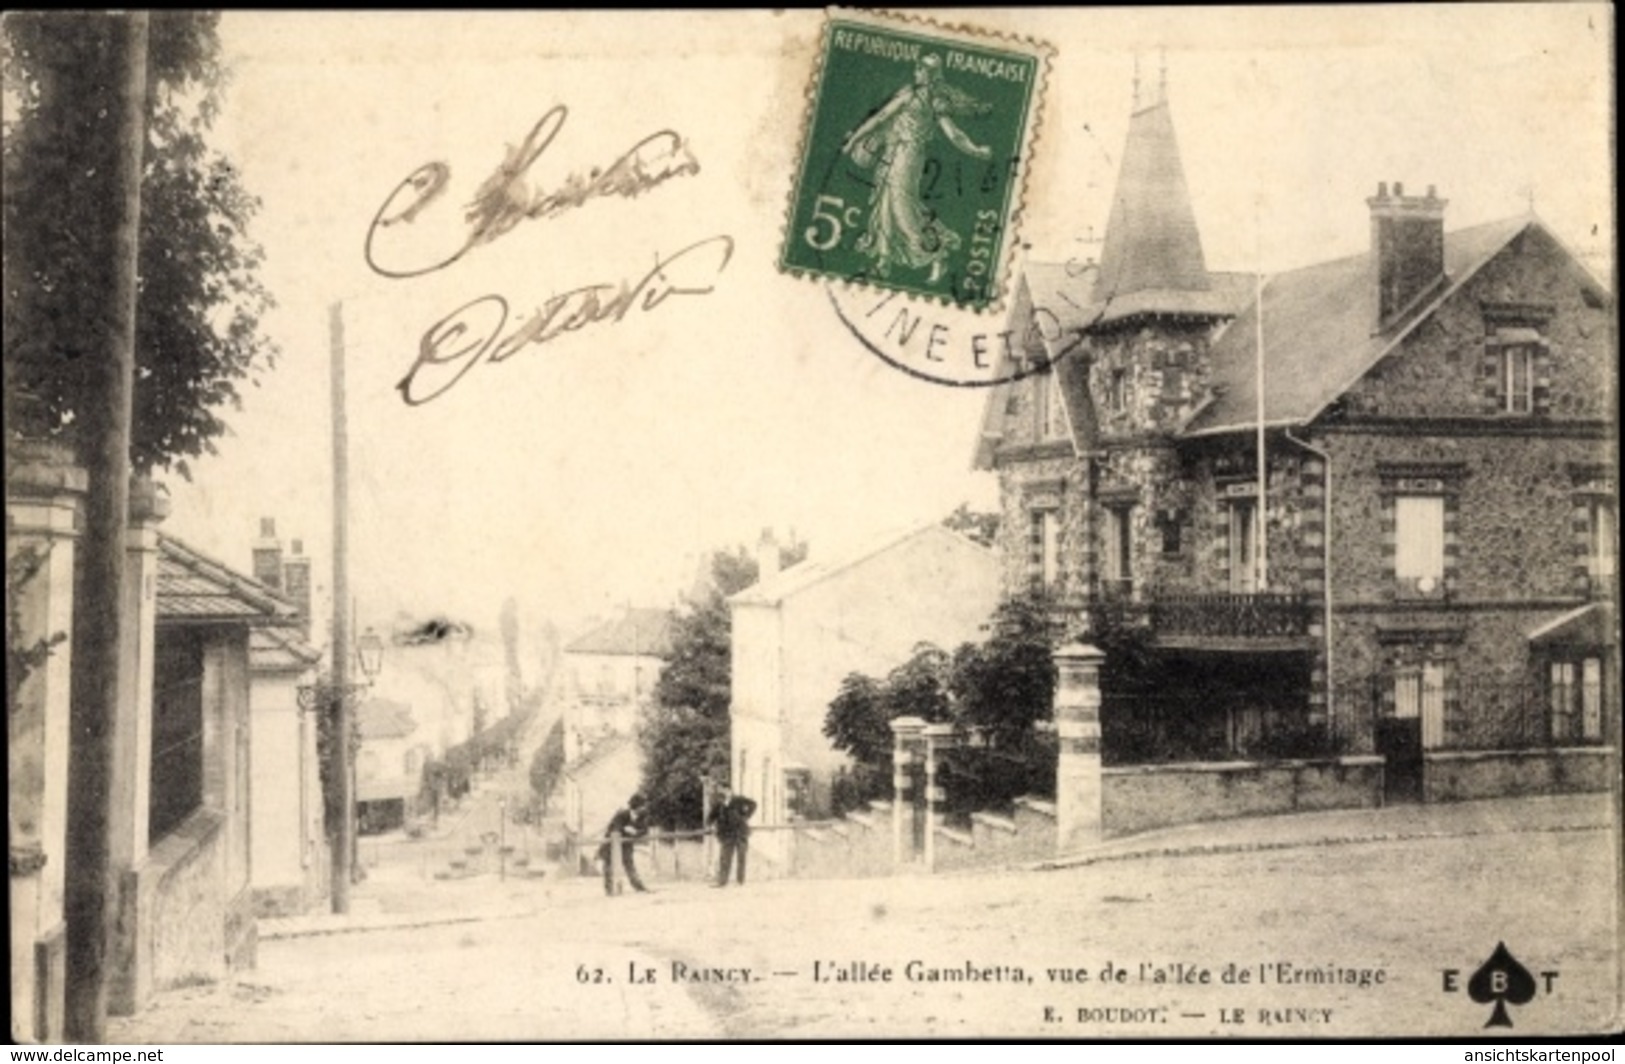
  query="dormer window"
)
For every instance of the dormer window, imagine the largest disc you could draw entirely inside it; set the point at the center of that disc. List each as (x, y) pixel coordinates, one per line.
(1117, 391)
(1054, 406)
(1518, 379)
(1516, 358)
(1048, 410)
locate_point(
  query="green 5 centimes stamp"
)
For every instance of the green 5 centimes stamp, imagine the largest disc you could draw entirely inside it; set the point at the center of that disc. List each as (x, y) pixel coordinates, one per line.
(914, 157)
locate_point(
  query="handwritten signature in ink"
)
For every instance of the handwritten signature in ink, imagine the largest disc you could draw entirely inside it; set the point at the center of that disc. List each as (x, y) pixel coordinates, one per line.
(506, 198)
(479, 329)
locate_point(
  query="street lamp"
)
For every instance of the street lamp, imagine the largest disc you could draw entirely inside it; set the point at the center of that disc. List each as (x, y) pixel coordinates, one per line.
(324, 694)
(369, 649)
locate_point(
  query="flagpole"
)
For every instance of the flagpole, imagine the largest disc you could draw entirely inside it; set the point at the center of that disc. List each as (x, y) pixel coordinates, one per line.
(1263, 486)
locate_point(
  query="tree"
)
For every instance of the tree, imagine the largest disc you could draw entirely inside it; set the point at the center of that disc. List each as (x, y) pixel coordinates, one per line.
(199, 300)
(975, 525)
(684, 735)
(547, 764)
(999, 689)
(1007, 684)
(23, 657)
(856, 723)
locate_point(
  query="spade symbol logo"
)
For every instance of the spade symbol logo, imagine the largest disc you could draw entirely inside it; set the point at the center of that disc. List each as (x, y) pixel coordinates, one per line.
(1501, 979)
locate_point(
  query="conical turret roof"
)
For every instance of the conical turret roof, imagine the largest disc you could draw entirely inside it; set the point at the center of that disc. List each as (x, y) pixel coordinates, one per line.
(1152, 243)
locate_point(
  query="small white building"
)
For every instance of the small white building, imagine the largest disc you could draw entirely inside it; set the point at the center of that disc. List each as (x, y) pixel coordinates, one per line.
(388, 766)
(290, 860)
(610, 674)
(798, 633)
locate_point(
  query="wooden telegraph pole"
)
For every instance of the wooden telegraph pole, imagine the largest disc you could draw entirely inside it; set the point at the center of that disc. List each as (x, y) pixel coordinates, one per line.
(99, 617)
(343, 704)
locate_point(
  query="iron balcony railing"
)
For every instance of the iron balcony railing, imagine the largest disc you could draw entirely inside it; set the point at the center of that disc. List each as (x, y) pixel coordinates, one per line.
(1231, 615)
(1214, 615)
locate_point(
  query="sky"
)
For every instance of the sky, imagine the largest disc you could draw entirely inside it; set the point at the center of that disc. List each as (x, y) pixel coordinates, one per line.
(593, 471)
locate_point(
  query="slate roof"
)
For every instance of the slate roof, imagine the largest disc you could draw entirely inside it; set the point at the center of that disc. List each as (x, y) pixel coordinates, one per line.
(379, 718)
(1319, 332)
(1591, 625)
(195, 589)
(639, 632)
(280, 650)
(1152, 245)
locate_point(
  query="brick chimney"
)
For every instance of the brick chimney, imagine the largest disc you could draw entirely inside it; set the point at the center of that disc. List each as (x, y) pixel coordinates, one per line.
(296, 583)
(767, 557)
(1407, 241)
(268, 555)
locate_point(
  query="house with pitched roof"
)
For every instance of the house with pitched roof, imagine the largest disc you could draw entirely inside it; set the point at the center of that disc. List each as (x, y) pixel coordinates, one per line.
(289, 870)
(609, 673)
(1370, 498)
(608, 676)
(389, 765)
(180, 826)
(290, 860)
(798, 632)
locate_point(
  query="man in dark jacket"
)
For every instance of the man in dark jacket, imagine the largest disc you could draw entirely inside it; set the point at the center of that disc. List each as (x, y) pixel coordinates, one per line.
(731, 818)
(627, 824)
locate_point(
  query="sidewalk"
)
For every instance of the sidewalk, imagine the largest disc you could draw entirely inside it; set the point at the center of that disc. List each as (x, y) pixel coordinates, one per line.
(396, 897)
(1396, 823)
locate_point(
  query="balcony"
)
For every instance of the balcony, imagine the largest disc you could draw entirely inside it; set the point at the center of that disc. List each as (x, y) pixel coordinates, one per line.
(1236, 622)
(1255, 621)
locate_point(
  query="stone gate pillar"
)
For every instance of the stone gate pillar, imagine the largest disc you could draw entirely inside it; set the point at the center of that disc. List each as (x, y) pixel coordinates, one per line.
(43, 493)
(938, 738)
(130, 976)
(906, 745)
(1077, 727)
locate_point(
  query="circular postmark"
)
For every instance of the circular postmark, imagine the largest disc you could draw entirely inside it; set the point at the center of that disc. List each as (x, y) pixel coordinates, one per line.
(957, 347)
(909, 182)
(926, 336)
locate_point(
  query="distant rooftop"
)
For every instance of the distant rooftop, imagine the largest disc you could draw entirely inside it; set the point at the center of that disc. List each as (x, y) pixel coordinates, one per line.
(637, 632)
(379, 718)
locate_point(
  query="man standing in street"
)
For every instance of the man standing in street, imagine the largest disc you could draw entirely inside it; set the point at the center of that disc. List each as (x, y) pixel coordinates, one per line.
(731, 817)
(626, 825)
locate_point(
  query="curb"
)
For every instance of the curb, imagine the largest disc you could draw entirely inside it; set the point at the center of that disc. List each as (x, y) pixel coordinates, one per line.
(1204, 850)
(398, 923)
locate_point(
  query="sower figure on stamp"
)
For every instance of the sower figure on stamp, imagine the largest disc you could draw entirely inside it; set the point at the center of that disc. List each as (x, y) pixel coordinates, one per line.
(731, 818)
(628, 824)
(896, 141)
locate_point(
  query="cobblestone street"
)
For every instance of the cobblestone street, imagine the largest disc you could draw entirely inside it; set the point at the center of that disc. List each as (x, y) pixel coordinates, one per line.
(1300, 903)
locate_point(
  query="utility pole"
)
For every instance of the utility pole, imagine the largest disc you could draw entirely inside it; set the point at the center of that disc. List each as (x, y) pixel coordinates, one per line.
(90, 890)
(342, 707)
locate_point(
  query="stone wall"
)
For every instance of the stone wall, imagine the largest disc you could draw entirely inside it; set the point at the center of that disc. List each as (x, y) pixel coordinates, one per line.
(856, 846)
(184, 914)
(1511, 544)
(1164, 372)
(1450, 776)
(1439, 371)
(1143, 797)
(1024, 837)
(1513, 513)
(1044, 478)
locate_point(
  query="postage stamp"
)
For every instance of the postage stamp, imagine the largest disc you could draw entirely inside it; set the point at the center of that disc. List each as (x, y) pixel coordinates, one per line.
(914, 156)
